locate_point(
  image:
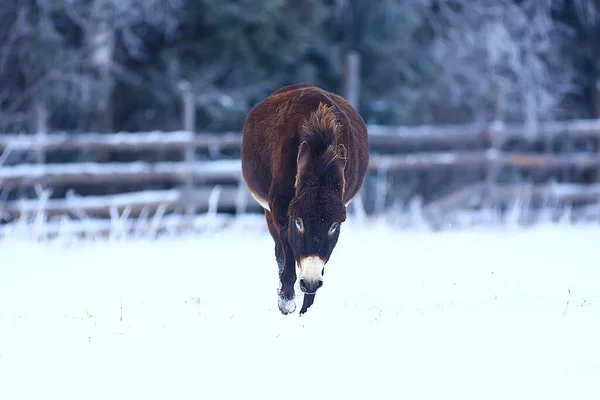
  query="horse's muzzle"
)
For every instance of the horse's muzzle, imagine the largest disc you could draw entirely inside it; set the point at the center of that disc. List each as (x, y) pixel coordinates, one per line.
(311, 273)
(310, 286)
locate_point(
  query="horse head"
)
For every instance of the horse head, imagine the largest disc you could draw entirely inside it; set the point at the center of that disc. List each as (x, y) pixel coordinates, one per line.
(317, 210)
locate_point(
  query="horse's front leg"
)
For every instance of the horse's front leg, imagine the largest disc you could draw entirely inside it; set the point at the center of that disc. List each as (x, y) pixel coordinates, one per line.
(275, 235)
(309, 299)
(278, 227)
(287, 277)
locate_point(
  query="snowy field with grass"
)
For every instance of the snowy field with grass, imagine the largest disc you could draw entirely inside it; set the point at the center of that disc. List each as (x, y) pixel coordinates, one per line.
(491, 313)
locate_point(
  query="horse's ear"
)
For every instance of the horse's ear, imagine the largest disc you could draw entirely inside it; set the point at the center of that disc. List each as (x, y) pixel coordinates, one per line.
(341, 156)
(303, 156)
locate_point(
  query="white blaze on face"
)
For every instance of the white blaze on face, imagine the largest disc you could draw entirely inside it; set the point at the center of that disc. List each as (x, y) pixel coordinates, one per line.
(311, 268)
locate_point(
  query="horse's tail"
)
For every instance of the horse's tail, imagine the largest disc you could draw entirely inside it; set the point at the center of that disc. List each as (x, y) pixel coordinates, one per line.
(320, 129)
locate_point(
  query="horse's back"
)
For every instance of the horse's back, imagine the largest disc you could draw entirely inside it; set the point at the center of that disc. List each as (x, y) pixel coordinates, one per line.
(271, 138)
(291, 87)
(268, 140)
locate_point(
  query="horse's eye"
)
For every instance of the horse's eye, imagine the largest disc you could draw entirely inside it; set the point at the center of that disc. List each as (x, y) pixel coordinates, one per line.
(299, 224)
(333, 227)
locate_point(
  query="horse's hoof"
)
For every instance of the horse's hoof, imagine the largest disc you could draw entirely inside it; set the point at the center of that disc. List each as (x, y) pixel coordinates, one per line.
(286, 306)
(308, 301)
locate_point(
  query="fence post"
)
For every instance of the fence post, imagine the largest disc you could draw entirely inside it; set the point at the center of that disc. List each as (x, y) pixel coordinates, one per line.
(596, 100)
(596, 114)
(494, 144)
(189, 125)
(40, 127)
(352, 62)
(352, 78)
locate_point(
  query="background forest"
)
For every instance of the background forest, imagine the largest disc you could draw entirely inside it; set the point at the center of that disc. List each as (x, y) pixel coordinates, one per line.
(114, 65)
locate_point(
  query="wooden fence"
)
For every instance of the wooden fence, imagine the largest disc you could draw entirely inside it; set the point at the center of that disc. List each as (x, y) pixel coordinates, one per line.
(392, 148)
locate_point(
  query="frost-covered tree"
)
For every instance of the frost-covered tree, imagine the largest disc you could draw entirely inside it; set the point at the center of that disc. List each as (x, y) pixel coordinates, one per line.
(67, 54)
(492, 51)
(120, 64)
(235, 52)
(582, 17)
(452, 61)
(390, 37)
(35, 63)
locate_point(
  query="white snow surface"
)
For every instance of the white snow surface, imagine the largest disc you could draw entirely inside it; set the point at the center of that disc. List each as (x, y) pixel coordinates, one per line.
(474, 314)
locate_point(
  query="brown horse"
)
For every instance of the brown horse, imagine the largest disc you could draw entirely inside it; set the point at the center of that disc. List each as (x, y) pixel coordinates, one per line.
(304, 157)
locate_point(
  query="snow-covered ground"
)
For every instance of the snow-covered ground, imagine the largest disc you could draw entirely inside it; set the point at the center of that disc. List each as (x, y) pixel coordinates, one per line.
(477, 314)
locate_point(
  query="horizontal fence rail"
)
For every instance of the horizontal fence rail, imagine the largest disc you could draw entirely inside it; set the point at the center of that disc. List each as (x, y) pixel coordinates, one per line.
(217, 170)
(124, 172)
(214, 184)
(156, 140)
(232, 197)
(379, 137)
(584, 128)
(137, 202)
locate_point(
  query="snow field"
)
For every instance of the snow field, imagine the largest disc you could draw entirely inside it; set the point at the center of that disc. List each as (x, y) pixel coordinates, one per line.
(491, 314)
